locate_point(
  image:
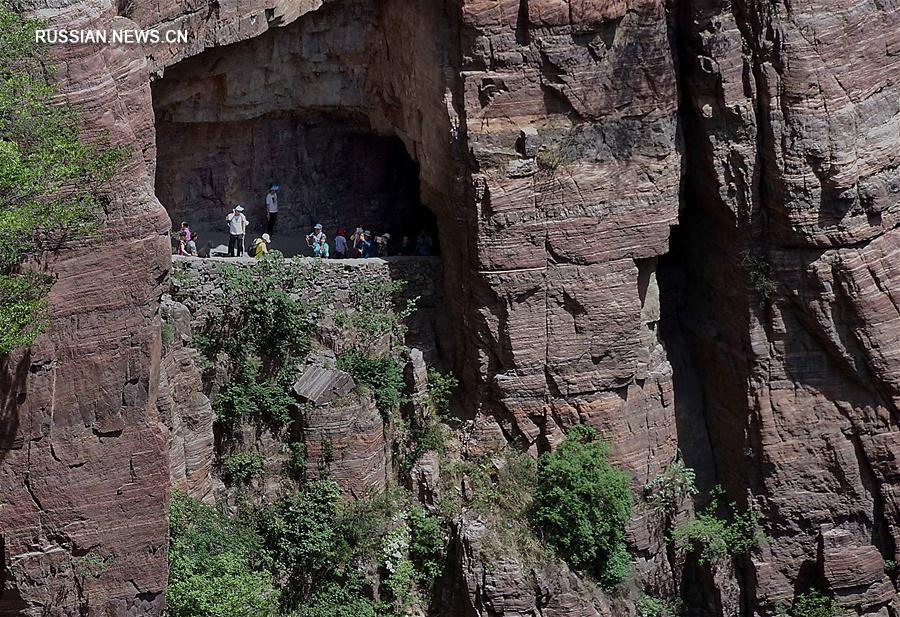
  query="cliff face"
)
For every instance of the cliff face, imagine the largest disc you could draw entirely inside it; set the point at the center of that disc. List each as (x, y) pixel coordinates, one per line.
(559, 142)
(790, 115)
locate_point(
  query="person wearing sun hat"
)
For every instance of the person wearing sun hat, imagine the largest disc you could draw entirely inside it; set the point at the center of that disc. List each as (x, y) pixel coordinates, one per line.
(314, 239)
(237, 227)
(260, 246)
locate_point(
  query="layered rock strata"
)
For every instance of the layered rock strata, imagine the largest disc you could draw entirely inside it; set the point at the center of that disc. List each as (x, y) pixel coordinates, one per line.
(547, 136)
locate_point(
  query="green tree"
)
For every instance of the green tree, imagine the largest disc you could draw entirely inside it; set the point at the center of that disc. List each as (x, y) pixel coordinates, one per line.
(50, 179)
(242, 467)
(582, 504)
(382, 373)
(212, 563)
(302, 541)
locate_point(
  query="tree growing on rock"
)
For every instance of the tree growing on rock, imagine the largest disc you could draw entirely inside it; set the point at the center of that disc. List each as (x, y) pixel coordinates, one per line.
(582, 504)
(50, 179)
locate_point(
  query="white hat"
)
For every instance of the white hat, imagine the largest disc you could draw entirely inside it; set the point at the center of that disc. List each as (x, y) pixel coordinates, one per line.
(266, 238)
(239, 208)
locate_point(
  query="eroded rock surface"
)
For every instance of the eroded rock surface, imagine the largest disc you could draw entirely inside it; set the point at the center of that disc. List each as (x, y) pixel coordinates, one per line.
(548, 135)
(487, 580)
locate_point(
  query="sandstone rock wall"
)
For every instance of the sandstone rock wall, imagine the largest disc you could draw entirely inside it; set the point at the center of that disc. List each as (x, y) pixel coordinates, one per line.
(549, 135)
(84, 473)
(791, 122)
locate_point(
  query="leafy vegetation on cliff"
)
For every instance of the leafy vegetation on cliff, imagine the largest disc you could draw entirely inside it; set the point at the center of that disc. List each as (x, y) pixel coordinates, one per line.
(582, 504)
(261, 337)
(812, 604)
(311, 554)
(50, 179)
(214, 565)
(720, 529)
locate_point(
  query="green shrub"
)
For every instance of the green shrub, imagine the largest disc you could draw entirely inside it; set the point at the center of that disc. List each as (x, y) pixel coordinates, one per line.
(759, 272)
(418, 436)
(93, 563)
(382, 373)
(814, 604)
(582, 504)
(427, 543)
(51, 182)
(648, 606)
(373, 314)
(167, 335)
(250, 395)
(211, 565)
(668, 489)
(401, 574)
(302, 542)
(296, 463)
(715, 536)
(441, 388)
(241, 467)
(339, 600)
(327, 453)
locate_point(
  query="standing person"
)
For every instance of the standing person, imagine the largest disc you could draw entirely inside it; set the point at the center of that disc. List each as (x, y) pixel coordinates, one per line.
(340, 245)
(365, 247)
(261, 246)
(181, 248)
(406, 246)
(313, 239)
(191, 245)
(355, 240)
(272, 208)
(186, 230)
(237, 227)
(383, 244)
(321, 249)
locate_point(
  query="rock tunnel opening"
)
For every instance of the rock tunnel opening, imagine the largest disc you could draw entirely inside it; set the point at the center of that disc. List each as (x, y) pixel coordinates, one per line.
(293, 108)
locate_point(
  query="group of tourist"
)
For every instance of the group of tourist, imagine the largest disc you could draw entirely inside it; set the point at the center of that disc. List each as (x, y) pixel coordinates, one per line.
(361, 243)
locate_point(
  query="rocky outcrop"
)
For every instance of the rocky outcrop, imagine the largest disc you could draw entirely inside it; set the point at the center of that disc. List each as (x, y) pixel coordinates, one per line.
(347, 442)
(85, 458)
(183, 406)
(486, 583)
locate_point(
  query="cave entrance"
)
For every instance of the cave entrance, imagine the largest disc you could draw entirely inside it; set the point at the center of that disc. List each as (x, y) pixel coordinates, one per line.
(275, 109)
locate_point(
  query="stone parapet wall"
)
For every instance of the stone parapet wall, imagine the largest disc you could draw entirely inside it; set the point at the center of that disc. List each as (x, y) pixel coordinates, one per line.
(197, 283)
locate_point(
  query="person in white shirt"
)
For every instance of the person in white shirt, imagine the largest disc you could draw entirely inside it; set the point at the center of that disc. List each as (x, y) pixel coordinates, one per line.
(272, 208)
(237, 227)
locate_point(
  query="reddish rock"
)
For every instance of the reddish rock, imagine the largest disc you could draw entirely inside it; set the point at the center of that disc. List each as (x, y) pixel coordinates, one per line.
(183, 406)
(85, 460)
(486, 580)
(789, 116)
(347, 440)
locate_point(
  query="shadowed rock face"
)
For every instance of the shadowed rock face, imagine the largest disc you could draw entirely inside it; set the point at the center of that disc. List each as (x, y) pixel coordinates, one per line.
(788, 113)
